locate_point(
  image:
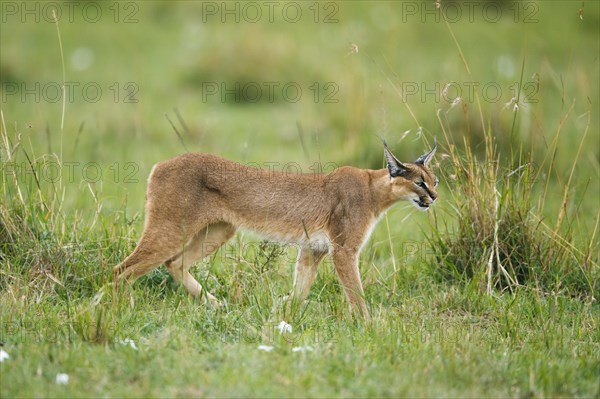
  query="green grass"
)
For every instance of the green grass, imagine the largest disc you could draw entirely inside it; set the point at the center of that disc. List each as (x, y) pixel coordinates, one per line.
(429, 340)
(436, 329)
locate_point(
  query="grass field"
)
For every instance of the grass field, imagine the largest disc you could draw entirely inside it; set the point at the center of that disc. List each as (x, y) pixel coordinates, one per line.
(492, 293)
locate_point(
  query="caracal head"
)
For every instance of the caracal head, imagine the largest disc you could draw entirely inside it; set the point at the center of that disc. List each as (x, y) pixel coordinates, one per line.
(412, 182)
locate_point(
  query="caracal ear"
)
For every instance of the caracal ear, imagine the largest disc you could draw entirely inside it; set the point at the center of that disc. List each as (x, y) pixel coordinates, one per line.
(426, 158)
(395, 167)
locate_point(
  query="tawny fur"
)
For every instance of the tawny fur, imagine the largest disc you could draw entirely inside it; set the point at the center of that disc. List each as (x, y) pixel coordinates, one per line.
(196, 202)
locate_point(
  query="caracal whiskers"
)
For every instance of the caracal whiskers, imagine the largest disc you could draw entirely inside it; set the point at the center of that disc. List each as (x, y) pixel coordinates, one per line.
(195, 202)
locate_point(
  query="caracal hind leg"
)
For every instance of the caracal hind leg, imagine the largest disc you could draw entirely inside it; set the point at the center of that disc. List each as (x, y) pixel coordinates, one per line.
(346, 267)
(306, 271)
(203, 244)
(155, 247)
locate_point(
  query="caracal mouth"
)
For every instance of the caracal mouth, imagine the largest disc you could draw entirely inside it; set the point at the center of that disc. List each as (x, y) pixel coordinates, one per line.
(421, 205)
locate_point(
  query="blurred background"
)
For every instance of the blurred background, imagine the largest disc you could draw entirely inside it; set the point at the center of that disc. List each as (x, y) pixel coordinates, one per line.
(314, 83)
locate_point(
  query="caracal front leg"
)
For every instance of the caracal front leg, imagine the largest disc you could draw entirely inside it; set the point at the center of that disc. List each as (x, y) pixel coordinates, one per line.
(346, 267)
(306, 271)
(203, 244)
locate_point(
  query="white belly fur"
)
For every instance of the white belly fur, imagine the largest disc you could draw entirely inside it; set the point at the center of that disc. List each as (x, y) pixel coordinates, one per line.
(317, 241)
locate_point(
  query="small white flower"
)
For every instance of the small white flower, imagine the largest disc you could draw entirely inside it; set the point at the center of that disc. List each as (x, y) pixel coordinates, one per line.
(128, 342)
(265, 348)
(3, 355)
(284, 327)
(62, 379)
(302, 349)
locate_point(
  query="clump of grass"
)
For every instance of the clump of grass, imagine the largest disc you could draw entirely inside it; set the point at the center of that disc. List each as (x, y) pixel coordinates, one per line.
(499, 239)
(43, 247)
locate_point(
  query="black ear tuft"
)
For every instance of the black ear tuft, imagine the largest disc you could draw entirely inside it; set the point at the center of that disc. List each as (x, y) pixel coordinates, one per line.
(395, 167)
(426, 158)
